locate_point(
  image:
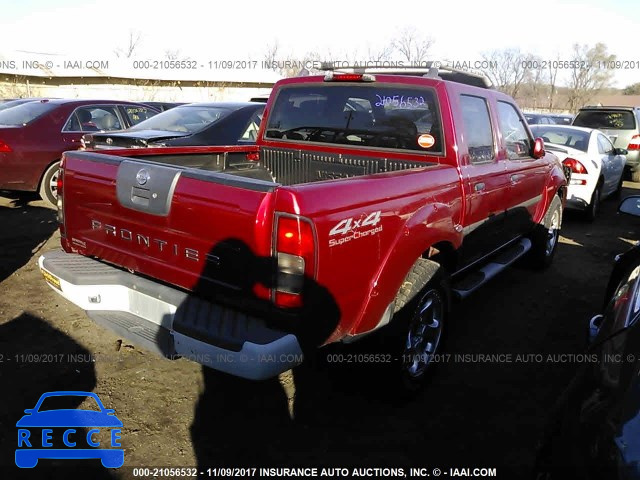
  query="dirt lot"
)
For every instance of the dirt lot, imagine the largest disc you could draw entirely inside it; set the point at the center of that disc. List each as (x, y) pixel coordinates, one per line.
(175, 413)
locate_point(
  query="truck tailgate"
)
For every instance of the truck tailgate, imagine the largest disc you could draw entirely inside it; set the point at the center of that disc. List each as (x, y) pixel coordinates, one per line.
(192, 228)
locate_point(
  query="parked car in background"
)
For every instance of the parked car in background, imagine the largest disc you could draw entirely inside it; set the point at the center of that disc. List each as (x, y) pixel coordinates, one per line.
(186, 125)
(563, 119)
(260, 99)
(539, 118)
(621, 125)
(594, 430)
(162, 106)
(18, 101)
(597, 167)
(34, 135)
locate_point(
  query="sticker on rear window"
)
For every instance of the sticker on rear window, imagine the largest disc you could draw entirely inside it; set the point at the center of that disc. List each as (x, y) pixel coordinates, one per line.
(426, 141)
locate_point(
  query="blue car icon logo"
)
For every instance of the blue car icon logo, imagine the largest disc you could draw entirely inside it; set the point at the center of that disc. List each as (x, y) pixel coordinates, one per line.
(40, 428)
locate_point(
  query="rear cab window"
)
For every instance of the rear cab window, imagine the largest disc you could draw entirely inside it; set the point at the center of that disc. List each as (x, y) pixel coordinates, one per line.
(606, 119)
(361, 115)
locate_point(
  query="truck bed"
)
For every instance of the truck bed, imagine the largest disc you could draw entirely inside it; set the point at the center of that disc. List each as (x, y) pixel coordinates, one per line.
(284, 166)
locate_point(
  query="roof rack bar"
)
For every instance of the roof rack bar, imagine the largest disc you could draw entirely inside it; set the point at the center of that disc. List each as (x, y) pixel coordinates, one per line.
(444, 70)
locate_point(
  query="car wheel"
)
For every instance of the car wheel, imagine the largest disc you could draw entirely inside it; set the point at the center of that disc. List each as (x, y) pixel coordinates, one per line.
(617, 193)
(49, 184)
(545, 237)
(592, 209)
(635, 175)
(417, 328)
(422, 339)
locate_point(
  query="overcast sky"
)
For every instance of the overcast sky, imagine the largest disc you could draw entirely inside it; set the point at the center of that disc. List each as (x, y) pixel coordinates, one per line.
(207, 30)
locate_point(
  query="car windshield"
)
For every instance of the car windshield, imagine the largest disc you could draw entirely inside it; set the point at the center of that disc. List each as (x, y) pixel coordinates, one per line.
(69, 402)
(187, 119)
(607, 119)
(566, 137)
(25, 113)
(366, 115)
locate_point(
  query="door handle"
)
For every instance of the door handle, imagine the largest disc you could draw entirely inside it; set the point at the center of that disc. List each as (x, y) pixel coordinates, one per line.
(479, 187)
(516, 177)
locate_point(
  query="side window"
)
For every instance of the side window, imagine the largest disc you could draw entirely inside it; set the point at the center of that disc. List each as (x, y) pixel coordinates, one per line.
(136, 114)
(604, 145)
(477, 128)
(513, 131)
(93, 119)
(251, 132)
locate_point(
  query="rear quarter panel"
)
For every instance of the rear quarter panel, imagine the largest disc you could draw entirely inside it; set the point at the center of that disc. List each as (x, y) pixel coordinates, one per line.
(363, 271)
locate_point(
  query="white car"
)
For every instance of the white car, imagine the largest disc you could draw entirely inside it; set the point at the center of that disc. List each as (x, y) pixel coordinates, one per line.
(596, 165)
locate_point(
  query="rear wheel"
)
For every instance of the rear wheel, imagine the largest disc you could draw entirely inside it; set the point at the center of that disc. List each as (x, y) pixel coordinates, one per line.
(49, 184)
(417, 327)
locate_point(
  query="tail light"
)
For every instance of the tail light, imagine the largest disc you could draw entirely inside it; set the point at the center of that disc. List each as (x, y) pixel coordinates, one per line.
(634, 144)
(60, 200)
(4, 148)
(295, 251)
(574, 165)
(253, 157)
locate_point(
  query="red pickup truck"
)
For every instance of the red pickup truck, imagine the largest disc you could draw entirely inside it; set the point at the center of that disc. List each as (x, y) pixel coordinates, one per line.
(370, 198)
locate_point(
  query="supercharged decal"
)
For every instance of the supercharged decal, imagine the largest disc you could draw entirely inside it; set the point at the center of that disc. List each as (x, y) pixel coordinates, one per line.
(355, 228)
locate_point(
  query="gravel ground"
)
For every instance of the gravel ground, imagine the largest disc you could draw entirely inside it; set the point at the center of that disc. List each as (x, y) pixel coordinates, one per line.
(175, 413)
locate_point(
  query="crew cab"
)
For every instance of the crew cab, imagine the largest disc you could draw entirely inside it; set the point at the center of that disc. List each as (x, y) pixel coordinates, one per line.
(370, 201)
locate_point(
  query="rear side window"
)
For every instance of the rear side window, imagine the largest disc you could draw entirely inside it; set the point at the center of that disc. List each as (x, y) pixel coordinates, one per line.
(93, 119)
(363, 115)
(135, 114)
(513, 132)
(477, 128)
(607, 119)
(25, 113)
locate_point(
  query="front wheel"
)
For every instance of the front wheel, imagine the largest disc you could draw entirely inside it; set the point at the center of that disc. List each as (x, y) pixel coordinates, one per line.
(49, 184)
(544, 240)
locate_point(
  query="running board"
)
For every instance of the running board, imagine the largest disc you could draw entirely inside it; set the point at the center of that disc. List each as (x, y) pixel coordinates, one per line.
(472, 281)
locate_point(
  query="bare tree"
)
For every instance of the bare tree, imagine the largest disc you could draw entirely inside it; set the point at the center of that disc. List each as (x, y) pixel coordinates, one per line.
(553, 79)
(270, 55)
(586, 78)
(411, 45)
(379, 54)
(508, 69)
(536, 78)
(134, 41)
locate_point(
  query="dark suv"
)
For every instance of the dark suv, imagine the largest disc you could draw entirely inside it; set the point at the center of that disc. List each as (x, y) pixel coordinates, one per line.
(621, 125)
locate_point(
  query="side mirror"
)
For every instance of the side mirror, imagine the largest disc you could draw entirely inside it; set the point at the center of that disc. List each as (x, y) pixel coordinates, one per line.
(620, 151)
(109, 411)
(29, 411)
(630, 206)
(538, 148)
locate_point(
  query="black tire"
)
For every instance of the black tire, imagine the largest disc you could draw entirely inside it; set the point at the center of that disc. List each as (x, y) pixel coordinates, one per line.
(545, 237)
(635, 175)
(591, 212)
(418, 326)
(617, 193)
(48, 189)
